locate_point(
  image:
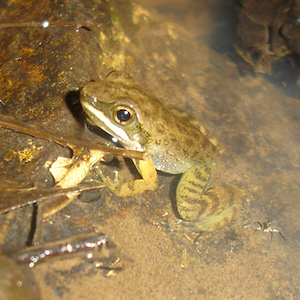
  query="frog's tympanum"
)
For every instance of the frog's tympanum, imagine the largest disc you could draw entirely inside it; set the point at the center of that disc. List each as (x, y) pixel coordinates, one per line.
(175, 144)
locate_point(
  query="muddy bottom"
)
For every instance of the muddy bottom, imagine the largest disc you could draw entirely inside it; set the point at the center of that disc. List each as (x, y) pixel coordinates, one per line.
(258, 124)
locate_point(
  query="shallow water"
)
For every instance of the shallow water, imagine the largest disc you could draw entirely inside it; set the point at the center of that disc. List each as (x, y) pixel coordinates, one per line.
(257, 123)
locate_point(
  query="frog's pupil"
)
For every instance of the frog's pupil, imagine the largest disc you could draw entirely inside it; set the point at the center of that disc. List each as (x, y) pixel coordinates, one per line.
(123, 115)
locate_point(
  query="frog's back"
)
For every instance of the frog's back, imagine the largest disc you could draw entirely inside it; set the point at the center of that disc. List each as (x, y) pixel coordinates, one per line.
(179, 144)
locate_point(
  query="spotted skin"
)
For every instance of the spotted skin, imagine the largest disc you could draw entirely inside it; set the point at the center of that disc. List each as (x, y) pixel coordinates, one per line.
(175, 144)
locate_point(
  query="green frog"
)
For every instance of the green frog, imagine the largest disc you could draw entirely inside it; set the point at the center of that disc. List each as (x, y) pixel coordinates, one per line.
(175, 145)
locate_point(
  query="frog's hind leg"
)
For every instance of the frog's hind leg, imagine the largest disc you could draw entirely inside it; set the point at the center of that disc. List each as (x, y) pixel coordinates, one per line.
(202, 209)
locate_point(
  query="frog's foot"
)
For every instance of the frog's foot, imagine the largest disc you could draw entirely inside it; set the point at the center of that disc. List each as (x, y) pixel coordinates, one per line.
(213, 210)
(136, 187)
(113, 184)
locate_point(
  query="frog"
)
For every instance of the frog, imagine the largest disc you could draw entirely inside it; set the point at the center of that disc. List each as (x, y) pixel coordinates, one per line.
(175, 144)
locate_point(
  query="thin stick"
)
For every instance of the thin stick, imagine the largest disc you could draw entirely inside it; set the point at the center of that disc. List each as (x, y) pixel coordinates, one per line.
(18, 126)
(20, 196)
(46, 24)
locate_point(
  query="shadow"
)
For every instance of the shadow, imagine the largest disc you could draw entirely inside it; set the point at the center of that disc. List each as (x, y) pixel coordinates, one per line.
(285, 71)
(285, 75)
(73, 102)
(172, 193)
(225, 16)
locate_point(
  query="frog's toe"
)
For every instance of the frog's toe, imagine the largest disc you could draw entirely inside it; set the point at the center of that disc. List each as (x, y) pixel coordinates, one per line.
(180, 225)
(106, 179)
(183, 226)
(208, 224)
(100, 173)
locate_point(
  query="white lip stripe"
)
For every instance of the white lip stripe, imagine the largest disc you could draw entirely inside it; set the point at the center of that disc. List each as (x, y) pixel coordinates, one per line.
(114, 130)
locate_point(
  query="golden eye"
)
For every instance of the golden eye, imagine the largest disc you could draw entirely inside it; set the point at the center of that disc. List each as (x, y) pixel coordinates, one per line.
(123, 115)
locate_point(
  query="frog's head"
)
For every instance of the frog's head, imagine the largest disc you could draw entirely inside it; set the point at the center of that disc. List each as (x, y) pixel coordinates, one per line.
(114, 104)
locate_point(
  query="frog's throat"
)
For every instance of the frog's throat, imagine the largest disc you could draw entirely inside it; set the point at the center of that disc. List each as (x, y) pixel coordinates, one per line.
(99, 119)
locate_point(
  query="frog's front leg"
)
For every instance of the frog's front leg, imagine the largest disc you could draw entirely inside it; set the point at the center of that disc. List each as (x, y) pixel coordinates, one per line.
(148, 182)
(204, 209)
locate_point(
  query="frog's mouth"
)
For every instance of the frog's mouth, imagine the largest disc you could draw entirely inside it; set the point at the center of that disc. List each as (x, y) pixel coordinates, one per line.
(99, 119)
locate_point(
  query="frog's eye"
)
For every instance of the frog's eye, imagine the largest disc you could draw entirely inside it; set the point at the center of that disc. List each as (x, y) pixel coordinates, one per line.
(123, 115)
